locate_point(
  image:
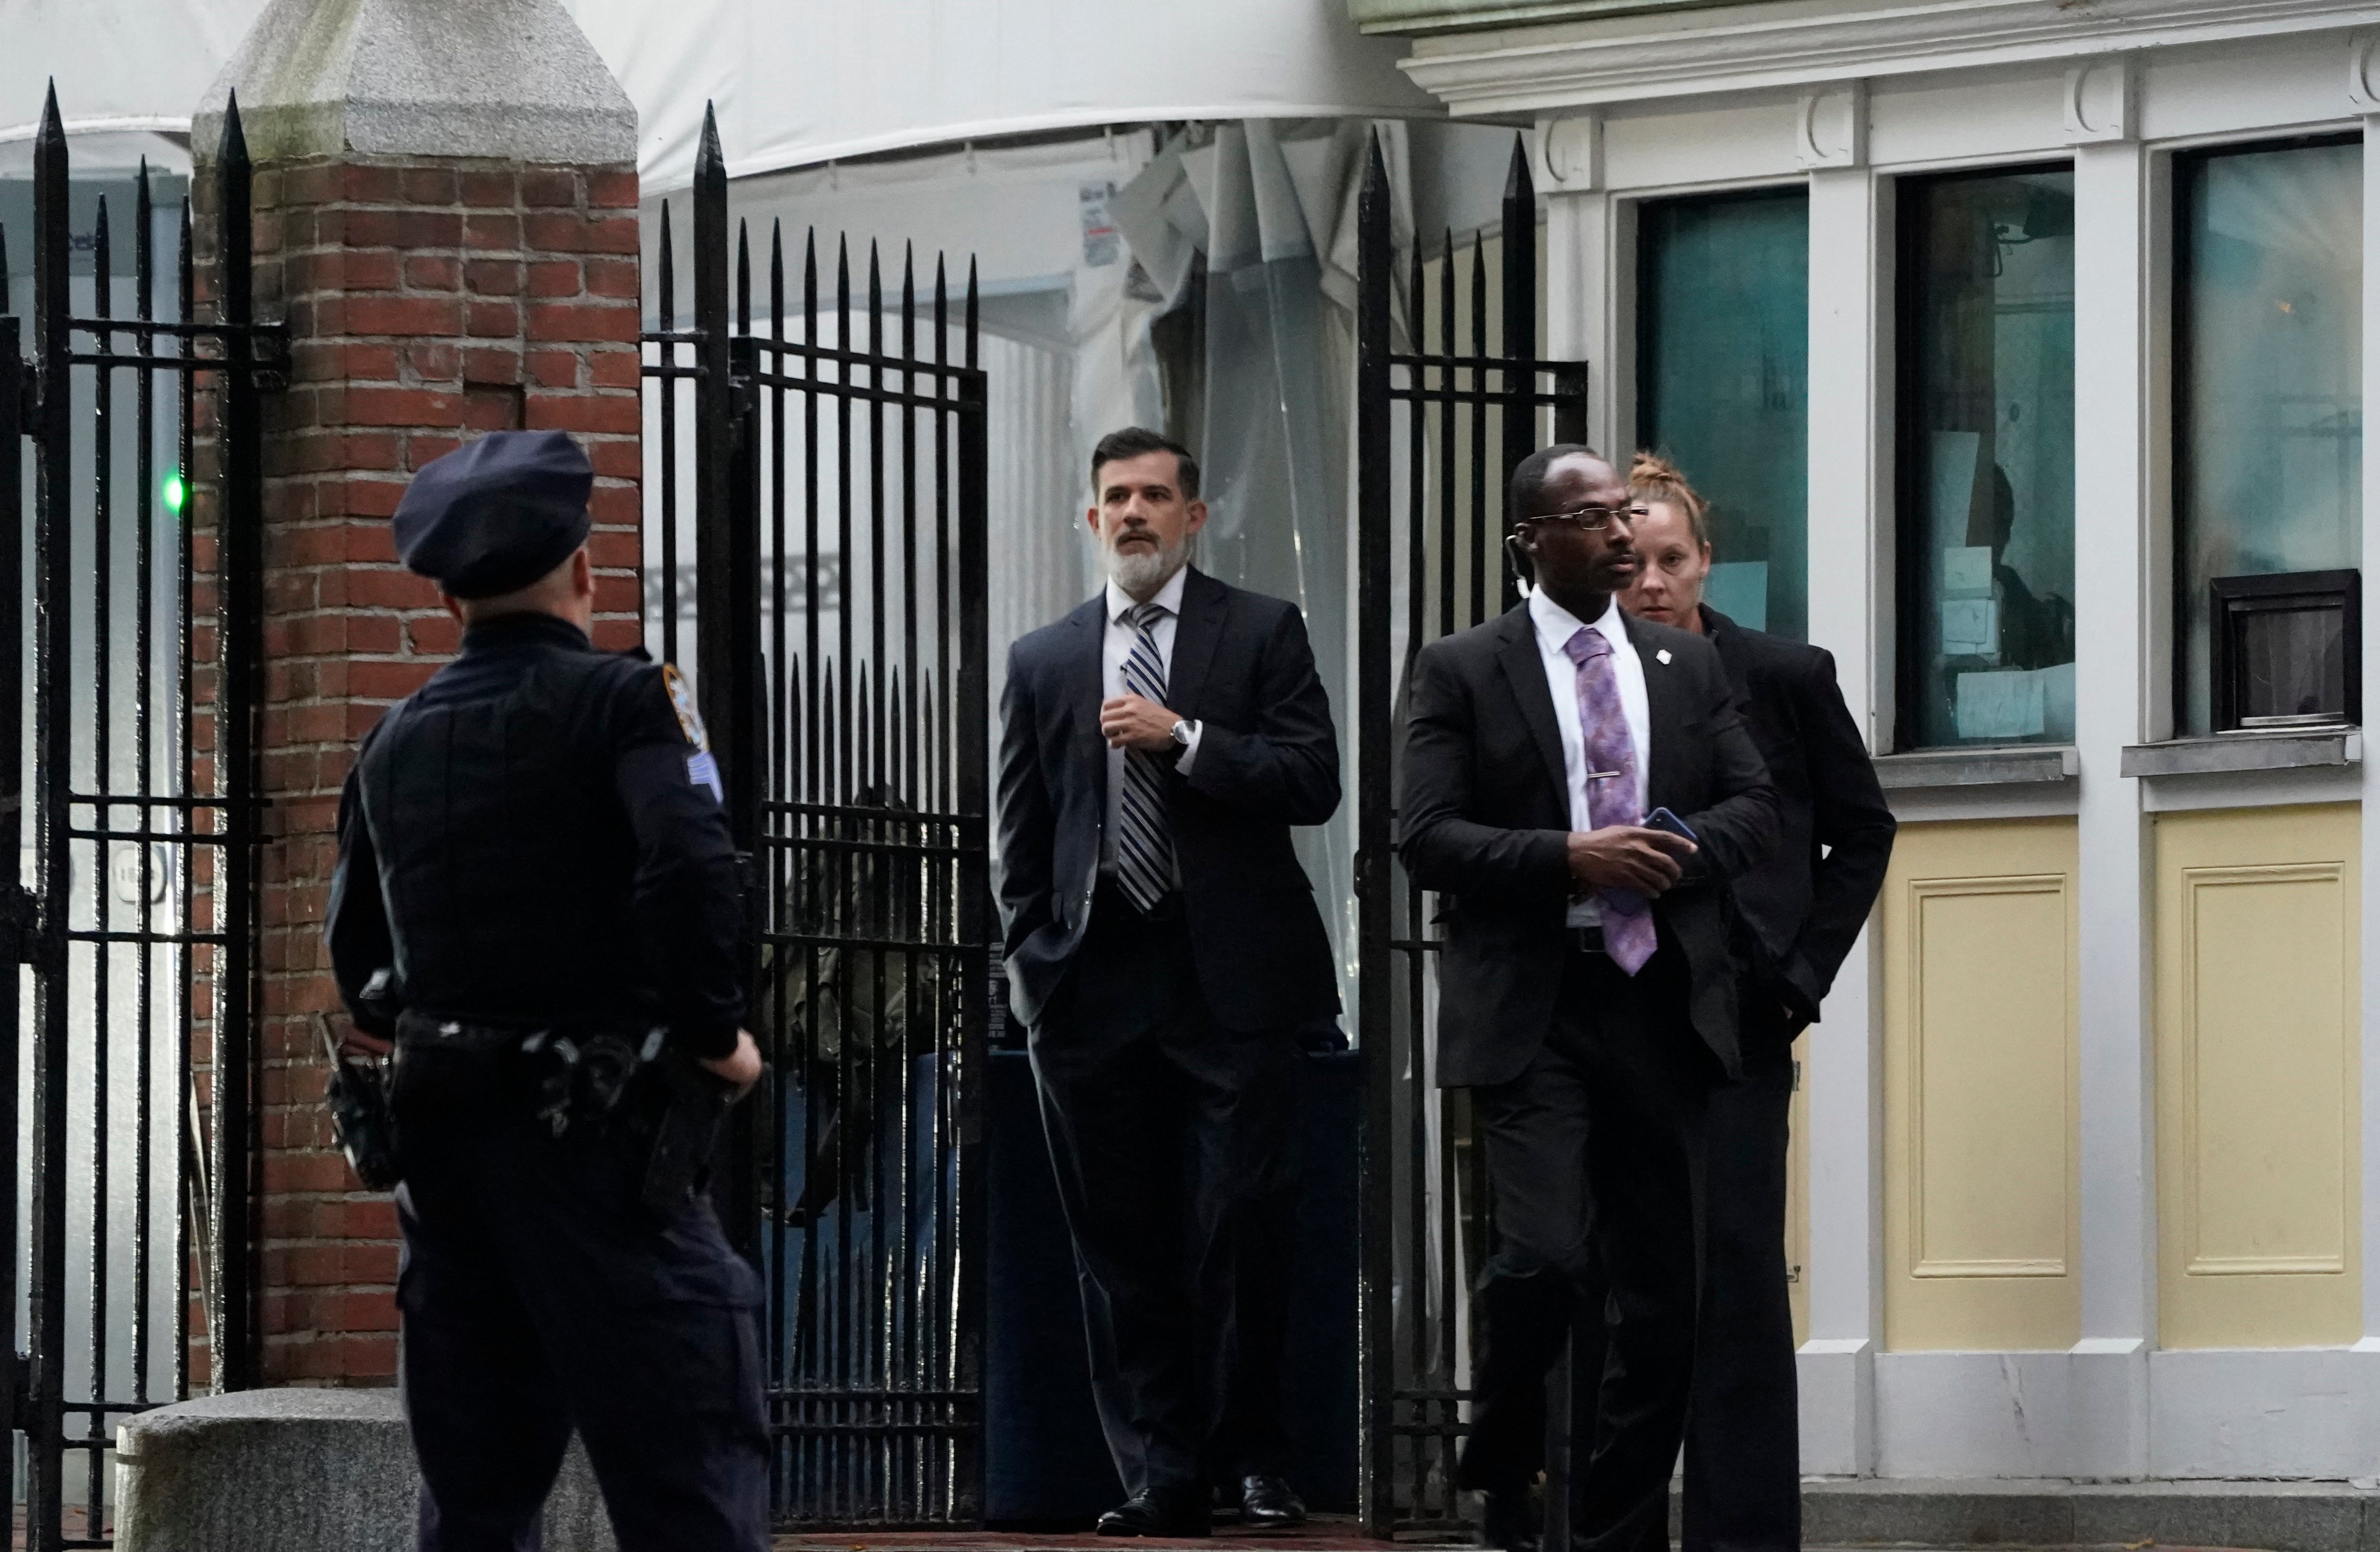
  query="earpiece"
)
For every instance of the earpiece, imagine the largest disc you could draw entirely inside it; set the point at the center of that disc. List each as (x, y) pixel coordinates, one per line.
(1518, 553)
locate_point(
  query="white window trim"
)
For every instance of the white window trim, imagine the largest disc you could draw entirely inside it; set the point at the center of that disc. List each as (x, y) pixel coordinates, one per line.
(1809, 43)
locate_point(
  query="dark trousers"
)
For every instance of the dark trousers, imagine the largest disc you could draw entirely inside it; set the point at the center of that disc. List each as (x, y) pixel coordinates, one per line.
(1170, 1137)
(1744, 1444)
(1594, 1161)
(1743, 1447)
(538, 1295)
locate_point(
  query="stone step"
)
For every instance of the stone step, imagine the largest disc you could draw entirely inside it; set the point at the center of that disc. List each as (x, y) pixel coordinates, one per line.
(1322, 1533)
(2273, 1516)
(302, 1471)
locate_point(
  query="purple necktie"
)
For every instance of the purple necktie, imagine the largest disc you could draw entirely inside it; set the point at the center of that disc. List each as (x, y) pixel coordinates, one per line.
(1628, 934)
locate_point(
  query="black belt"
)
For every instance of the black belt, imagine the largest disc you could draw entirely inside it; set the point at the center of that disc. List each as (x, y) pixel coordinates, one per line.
(429, 1031)
(563, 1066)
(1587, 939)
(421, 1031)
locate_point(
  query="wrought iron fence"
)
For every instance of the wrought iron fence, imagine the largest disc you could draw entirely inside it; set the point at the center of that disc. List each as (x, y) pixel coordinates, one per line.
(1444, 410)
(134, 901)
(836, 485)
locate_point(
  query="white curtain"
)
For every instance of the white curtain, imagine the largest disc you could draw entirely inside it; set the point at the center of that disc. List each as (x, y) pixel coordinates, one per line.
(1040, 564)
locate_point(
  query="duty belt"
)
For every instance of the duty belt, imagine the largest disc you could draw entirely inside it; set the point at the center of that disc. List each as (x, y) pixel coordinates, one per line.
(421, 1031)
(573, 1071)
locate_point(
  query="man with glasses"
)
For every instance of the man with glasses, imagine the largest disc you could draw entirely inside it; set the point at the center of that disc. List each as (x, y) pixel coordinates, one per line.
(1579, 787)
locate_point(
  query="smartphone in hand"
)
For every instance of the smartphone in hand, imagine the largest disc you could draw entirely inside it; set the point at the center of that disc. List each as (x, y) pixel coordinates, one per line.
(1662, 819)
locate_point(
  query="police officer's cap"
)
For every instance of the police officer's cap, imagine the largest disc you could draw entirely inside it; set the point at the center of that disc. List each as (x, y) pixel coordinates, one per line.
(495, 515)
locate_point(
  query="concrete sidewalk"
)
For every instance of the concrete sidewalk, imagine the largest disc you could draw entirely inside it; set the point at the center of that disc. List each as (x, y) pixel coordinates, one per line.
(1847, 1514)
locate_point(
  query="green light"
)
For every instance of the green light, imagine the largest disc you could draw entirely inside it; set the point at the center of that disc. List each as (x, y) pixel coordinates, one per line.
(174, 492)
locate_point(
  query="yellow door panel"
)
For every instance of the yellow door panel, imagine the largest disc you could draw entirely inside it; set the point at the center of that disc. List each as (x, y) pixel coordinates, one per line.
(2257, 919)
(1977, 938)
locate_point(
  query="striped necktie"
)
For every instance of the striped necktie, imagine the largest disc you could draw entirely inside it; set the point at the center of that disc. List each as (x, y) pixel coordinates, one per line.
(1144, 839)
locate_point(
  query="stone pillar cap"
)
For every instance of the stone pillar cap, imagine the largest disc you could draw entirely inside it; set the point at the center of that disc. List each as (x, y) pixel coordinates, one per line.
(510, 80)
(283, 1404)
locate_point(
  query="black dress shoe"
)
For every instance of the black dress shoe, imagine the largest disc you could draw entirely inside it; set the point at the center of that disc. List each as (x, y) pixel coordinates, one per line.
(1269, 1503)
(1158, 1511)
(1507, 1521)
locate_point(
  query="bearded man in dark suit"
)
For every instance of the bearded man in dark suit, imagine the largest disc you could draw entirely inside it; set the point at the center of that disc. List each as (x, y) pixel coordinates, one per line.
(1587, 981)
(1164, 950)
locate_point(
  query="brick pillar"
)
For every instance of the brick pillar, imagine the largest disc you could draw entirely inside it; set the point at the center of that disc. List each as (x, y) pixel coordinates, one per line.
(446, 269)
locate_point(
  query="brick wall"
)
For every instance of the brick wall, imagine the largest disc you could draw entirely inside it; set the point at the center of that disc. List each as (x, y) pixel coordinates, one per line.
(428, 301)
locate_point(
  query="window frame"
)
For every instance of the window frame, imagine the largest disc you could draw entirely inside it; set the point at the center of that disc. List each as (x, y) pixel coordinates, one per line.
(2178, 413)
(1908, 667)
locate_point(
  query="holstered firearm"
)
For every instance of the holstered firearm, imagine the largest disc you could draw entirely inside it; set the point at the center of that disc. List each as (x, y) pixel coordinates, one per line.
(358, 1098)
(695, 1106)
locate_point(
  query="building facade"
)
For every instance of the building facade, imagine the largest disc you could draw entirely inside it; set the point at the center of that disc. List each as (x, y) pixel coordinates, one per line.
(2018, 345)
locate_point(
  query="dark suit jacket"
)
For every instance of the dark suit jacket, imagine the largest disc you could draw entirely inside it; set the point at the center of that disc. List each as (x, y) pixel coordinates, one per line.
(1805, 902)
(1267, 759)
(1485, 821)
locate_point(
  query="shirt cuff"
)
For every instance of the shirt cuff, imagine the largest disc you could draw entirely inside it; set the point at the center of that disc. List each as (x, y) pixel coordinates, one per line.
(1190, 750)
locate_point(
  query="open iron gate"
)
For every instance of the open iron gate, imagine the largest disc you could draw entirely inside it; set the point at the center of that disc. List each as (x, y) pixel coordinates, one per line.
(133, 902)
(836, 564)
(1445, 408)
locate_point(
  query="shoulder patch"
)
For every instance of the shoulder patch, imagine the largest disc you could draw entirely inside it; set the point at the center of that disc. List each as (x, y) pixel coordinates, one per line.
(702, 769)
(689, 720)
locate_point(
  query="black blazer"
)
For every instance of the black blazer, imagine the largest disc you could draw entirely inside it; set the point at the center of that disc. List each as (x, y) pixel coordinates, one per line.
(1267, 759)
(1804, 903)
(1485, 821)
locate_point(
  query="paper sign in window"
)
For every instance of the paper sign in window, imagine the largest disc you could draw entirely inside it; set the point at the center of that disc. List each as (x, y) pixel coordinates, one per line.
(1967, 569)
(2001, 703)
(1971, 627)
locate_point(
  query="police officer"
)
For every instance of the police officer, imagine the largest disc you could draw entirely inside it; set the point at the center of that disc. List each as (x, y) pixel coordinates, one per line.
(535, 879)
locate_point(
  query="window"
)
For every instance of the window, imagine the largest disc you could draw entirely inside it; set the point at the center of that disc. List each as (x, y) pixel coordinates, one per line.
(1986, 459)
(1722, 386)
(2268, 414)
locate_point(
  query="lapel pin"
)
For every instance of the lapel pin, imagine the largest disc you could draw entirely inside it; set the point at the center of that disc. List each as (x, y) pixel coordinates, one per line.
(1663, 654)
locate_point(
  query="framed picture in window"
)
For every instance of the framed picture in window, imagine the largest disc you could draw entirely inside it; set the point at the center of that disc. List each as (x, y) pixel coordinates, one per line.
(2287, 650)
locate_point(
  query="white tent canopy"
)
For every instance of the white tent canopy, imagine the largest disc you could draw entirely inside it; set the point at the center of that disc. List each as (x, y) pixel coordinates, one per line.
(795, 81)
(801, 82)
(125, 70)
(118, 64)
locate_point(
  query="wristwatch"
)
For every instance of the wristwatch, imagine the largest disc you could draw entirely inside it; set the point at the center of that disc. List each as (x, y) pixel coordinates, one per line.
(1181, 734)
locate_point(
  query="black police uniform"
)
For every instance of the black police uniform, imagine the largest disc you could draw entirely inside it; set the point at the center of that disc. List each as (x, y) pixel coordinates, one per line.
(533, 841)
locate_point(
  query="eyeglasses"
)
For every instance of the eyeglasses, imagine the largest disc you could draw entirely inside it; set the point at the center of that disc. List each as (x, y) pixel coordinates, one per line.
(1593, 518)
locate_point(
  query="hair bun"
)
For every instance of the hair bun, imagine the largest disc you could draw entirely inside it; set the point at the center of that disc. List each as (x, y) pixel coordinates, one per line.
(1653, 478)
(1648, 467)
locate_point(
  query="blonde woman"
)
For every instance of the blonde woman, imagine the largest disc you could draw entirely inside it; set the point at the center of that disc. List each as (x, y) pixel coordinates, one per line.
(1801, 909)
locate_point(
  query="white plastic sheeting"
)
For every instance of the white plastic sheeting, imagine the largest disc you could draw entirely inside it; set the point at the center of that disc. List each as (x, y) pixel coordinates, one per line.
(795, 81)
(801, 82)
(118, 64)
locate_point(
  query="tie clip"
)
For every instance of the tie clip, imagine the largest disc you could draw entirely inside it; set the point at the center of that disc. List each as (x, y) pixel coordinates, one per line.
(1605, 775)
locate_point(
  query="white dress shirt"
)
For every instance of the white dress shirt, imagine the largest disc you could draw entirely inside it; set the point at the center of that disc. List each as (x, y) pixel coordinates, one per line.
(1115, 651)
(1555, 626)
